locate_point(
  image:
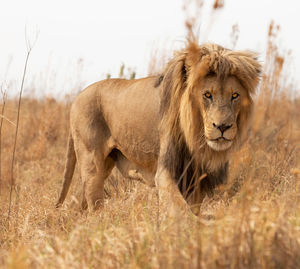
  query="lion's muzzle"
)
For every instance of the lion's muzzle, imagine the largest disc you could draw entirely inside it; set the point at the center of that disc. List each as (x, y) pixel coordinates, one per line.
(222, 127)
(220, 136)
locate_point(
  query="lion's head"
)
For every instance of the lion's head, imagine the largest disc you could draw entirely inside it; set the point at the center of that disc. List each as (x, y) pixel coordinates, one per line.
(206, 96)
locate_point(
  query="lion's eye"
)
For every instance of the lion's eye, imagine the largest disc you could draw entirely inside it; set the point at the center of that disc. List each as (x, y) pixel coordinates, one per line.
(235, 95)
(208, 95)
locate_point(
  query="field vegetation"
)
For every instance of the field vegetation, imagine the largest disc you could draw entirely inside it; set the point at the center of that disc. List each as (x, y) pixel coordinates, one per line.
(251, 222)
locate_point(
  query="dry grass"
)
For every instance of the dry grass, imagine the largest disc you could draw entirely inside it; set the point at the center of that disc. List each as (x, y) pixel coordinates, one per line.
(252, 222)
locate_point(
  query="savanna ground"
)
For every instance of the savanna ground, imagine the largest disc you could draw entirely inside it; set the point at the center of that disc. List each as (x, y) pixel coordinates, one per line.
(251, 222)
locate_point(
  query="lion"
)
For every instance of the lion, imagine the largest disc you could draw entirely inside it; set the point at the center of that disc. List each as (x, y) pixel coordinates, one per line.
(175, 130)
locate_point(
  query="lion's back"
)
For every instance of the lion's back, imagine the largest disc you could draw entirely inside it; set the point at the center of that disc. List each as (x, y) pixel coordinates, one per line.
(125, 110)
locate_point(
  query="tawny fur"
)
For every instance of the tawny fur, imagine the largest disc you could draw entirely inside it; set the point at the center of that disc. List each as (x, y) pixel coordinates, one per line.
(154, 127)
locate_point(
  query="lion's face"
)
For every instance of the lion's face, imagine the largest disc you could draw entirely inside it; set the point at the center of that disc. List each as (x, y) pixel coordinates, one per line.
(220, 103)
(206, 97)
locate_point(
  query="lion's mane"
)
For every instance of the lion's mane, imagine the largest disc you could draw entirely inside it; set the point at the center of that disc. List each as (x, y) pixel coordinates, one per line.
(188, 157)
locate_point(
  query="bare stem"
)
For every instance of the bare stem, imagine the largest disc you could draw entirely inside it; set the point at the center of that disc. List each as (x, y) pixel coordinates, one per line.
(1, 124)
(12, 180)
(29, 46)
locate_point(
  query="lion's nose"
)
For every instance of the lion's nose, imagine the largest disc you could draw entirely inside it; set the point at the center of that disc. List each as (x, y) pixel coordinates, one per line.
(222, 127)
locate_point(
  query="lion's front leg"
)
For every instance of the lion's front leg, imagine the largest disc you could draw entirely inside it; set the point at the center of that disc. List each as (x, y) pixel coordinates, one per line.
(170, 199)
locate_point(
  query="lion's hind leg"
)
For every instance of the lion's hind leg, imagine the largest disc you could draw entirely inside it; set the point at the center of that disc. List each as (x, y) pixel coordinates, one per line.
(94, 170)
(84, 204)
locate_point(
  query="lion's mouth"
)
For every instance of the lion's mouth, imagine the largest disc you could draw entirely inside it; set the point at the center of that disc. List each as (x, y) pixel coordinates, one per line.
(220, 139)
(220, 143)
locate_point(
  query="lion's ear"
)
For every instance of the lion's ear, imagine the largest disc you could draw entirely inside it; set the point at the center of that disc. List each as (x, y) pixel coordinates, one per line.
(198, 71)
(246, 66)
(176, 70)
(174, 79)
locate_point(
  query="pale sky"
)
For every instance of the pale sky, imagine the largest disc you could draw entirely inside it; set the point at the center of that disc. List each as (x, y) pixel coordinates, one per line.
(105, 34)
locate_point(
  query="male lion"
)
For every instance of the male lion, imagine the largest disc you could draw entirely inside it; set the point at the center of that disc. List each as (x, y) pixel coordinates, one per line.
(177, 129)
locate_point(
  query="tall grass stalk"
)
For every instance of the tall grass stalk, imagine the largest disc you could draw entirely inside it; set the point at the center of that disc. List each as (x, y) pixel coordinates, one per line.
(12, 179)
(4, 93)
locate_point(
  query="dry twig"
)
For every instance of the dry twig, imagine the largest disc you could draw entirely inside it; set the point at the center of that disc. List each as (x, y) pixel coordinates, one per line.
(29, 45)
(4, 95)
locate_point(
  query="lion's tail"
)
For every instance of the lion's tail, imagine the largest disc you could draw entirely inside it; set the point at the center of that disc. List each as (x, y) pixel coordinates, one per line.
(69, 171)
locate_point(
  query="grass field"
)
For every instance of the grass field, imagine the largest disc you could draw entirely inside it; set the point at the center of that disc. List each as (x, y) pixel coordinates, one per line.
(252, 222)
